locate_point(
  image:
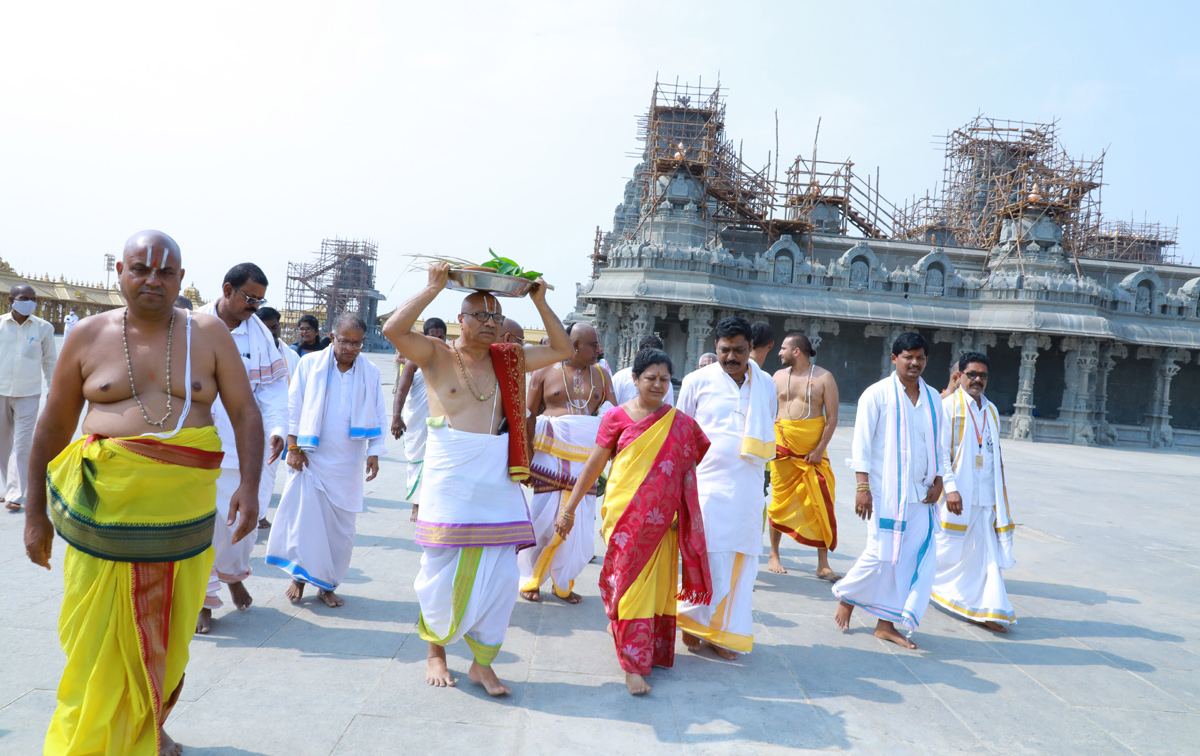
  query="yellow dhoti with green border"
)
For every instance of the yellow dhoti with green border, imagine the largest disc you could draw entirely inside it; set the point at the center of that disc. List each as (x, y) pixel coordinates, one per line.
(138, 516)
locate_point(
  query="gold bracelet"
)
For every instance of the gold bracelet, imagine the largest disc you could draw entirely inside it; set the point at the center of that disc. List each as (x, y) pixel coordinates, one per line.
(566, 516)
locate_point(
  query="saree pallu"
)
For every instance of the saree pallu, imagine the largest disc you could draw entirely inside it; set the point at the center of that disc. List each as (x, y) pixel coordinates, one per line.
(138, 514)
(653, 483)
(802, 494)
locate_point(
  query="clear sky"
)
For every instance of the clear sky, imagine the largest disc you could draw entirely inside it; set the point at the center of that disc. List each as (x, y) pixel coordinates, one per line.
(252, 130)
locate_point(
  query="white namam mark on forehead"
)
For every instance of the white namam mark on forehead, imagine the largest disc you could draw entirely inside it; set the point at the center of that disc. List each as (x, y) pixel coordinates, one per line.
(490, 304)
(155, 257)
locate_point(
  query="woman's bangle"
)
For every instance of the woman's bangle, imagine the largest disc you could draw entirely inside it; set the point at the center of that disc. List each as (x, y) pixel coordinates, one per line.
(566, 516)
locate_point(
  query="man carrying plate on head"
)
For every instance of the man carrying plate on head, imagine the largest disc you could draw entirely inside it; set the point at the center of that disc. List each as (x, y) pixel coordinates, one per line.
(473, 516)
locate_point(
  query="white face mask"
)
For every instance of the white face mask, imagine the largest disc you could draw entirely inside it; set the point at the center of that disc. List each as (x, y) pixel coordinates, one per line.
(24, 307)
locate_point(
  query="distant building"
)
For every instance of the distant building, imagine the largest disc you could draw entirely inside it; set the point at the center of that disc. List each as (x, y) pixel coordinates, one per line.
(1092, 326)
(56, 298)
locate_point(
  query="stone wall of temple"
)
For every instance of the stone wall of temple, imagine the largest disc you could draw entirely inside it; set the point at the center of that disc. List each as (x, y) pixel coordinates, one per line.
(1106, 355)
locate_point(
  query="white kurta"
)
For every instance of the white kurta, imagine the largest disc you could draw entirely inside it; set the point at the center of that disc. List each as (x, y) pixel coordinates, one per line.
(731, 502)
(414, 413)
(969, 581)
(312, 536)
(231, 561)
(896, 591)
(625, 389)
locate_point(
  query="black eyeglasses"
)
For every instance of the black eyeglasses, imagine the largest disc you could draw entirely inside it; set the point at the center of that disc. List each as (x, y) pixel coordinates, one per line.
(976, 376)
(483, 317)
(252, 301)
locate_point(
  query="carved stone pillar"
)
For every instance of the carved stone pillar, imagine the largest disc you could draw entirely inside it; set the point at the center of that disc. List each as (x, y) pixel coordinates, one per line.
(889, 333)
(1110, 352)
(1079, 394)
(607, 331)
(812, 328)
(639, 327)
(699, 328)
(1029, 344)
(1165, 369)
(625, 340)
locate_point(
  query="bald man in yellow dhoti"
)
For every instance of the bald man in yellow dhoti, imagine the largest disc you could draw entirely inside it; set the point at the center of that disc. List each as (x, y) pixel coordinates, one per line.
(802, 483)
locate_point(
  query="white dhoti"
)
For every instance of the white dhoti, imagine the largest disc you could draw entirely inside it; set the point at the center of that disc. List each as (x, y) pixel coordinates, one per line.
(312, 538)
(727, 621)
(414, 414)
(231, 561)
(561, 447)
(975, 546)
(739, 422)
(968, 581)
(897, 592)
(467, 593)
(473, 518)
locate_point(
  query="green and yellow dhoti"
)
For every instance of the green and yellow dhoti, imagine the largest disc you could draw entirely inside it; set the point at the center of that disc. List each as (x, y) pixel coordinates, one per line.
(138, 514)
(802, 493)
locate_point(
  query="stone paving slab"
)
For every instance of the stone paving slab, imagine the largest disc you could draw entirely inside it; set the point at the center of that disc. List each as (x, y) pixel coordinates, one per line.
(1105, 658)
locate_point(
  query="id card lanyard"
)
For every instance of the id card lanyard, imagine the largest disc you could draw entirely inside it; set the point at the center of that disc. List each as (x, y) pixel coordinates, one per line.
(978, 434)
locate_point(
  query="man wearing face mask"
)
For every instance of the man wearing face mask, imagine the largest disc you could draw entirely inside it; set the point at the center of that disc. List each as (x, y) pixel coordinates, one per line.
(735, 403)
(26, 343)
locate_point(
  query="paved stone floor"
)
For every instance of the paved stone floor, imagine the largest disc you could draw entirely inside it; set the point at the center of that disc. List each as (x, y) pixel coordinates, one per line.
(1105, 658)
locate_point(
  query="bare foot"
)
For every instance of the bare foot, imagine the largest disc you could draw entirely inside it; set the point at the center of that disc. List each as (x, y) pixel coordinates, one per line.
(487, 678)
(331, 599)
(295, 592)
(691, 641)
(637, 684)
(570, 598)
(995, 627)
(204, 621)
(724, 653)
(534, 595)
(885, 630)
(825, 573)
(241, 596)
(842, 615)
(413, 517)
(610, 630)
(436, 673)
(12, 506)
(167, 746)
(774, 565)
(264, 523)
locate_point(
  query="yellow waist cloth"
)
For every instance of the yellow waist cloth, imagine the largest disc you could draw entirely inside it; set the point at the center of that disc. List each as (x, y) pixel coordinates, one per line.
(802, 494)
(137, 499)
(125, 624)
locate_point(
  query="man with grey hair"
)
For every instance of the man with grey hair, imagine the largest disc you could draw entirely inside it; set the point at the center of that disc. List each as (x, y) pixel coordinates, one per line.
(706, 359)
(27, 354)
(336, 417)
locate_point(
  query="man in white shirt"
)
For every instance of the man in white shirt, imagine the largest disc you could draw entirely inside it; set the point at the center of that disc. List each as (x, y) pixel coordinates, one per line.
(735, 403)
(243, 291)
(901, 471)
(336, 417)
(623, 386)
(975, 544)
(270, 318)
(26, 344)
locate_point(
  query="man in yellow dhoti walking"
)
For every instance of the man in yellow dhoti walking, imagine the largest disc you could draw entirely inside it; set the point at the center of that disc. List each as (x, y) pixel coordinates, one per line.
(802, 481)
(135, 500)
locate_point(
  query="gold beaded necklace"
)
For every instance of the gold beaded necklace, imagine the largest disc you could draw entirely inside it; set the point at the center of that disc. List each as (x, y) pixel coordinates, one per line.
(467, 377)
